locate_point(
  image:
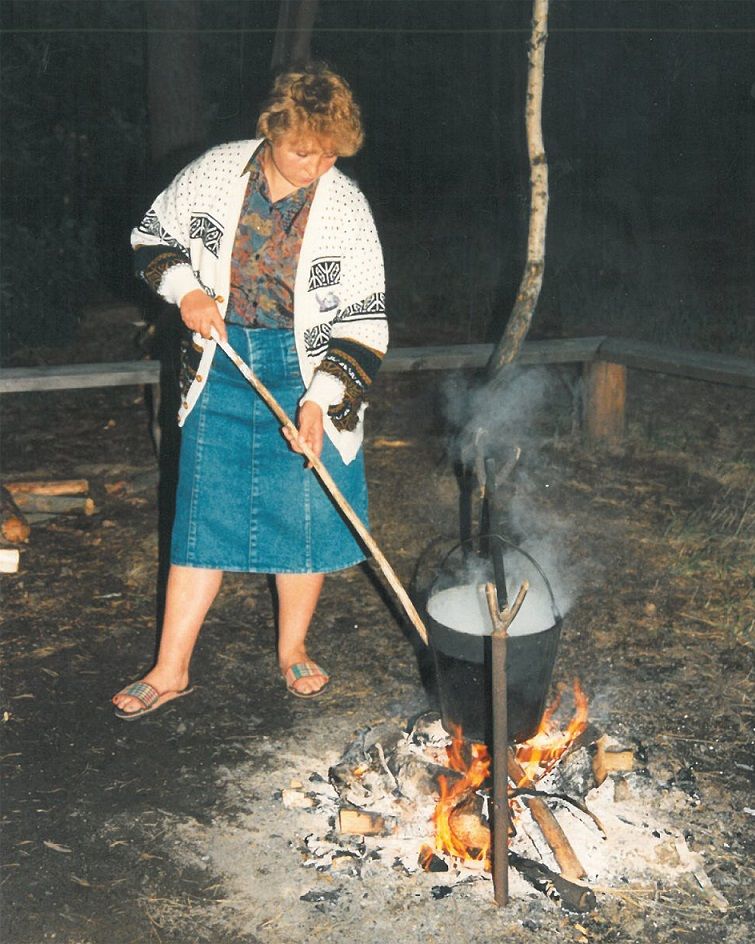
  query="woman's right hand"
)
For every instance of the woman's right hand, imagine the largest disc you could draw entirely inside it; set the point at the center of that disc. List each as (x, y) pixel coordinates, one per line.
(200, 313)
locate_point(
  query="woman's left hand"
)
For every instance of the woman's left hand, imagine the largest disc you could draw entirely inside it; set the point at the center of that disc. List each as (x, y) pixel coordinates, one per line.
(310, 429)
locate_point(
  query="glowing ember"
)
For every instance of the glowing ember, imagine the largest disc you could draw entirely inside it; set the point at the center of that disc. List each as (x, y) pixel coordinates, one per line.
(459, 830)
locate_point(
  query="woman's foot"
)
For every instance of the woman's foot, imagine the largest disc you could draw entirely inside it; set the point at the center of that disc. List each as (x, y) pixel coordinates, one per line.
(167, 686)
(302, 676)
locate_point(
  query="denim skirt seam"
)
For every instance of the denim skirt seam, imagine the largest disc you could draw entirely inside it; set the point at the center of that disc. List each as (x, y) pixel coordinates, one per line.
(191, 537)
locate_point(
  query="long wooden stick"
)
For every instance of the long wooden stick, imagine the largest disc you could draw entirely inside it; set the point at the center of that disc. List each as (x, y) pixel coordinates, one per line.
(499, 645)
(327, 481)
(501, 619)
(565, 855)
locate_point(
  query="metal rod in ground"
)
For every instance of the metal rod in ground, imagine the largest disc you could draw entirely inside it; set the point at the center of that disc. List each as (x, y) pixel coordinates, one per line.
(327, 480)
(499, 642)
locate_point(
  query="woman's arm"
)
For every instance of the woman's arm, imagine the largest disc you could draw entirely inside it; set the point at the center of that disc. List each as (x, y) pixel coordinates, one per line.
(359, 331)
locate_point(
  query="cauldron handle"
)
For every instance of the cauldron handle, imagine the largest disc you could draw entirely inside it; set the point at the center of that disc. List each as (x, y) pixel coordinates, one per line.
(511, 544)
(538, 568)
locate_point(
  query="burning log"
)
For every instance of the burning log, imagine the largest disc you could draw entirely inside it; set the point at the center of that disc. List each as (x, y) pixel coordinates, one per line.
(13, 524)
(418, 778)
(466, 823)
(455, 800)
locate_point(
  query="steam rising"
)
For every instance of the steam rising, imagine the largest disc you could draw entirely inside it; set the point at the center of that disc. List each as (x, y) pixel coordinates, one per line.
(498, 421)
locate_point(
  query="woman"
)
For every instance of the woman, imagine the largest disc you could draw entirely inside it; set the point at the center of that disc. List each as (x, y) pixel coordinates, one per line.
(266, 243)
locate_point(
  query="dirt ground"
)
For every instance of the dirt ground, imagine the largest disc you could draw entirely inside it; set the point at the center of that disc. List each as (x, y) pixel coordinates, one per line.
(171, 829)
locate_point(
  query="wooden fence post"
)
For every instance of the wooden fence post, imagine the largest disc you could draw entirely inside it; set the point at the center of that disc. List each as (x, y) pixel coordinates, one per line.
(605, 397)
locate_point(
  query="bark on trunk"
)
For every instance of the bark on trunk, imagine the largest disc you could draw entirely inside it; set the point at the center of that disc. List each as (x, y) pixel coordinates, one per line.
(176, 102)
(529, 288)
(293, 37)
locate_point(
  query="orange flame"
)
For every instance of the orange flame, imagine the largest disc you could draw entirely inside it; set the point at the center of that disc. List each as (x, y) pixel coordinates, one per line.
(454, 794)
(537, 757)
(550, 743)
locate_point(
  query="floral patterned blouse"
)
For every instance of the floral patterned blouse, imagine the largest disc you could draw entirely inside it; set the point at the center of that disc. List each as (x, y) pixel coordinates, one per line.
(266, 253)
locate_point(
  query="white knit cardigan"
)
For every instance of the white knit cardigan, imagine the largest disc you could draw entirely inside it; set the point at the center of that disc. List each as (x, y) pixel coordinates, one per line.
(339, 289)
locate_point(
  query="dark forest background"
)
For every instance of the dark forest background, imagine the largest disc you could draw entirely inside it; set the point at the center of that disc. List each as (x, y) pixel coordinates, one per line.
(648, 121)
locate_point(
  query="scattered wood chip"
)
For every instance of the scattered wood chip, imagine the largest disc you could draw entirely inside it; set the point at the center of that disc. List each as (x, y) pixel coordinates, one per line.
(296, 800)
(56, 847)
(608, 760)
(383, 443)
(9, 560)
(356, 822)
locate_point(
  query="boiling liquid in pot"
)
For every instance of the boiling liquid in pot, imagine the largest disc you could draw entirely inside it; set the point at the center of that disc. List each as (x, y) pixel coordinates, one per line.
(465, 610)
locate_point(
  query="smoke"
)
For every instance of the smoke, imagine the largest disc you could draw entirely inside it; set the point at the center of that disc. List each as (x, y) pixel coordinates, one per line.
(508, 413)
(518, 414)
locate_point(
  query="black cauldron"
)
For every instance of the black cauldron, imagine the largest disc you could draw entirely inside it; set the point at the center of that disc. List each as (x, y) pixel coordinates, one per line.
(459, 627)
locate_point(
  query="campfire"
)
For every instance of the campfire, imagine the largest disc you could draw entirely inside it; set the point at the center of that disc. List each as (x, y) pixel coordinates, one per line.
(497, 780)
(583, 811)
(461, 816)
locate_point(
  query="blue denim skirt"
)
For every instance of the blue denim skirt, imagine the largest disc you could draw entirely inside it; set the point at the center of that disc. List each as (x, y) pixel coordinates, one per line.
(245, 501)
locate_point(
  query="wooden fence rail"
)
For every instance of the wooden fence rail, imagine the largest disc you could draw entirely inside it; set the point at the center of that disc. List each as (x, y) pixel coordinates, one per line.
(605, 361)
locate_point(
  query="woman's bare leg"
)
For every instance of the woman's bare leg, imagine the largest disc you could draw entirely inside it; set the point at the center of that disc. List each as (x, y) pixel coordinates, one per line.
(297, 600)
(189, 595)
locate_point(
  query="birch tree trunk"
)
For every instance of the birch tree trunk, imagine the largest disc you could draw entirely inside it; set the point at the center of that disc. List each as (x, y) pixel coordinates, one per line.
(532, 279)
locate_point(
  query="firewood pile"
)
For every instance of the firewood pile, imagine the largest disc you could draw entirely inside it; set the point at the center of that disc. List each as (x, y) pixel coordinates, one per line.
(593, 824)
(24, 504)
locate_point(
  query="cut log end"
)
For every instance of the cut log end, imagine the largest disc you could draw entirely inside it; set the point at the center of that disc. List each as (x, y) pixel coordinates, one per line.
(13, 524)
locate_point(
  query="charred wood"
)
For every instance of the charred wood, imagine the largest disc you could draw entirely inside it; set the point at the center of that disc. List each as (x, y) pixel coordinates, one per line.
(570, 895)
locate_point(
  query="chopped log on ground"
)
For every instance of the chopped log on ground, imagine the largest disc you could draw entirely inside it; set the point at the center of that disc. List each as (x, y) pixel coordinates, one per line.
(570, 895)
(13, 524)
(357, 822)
(607, 760)
(49, 487)
(9, 558)
(56, 504)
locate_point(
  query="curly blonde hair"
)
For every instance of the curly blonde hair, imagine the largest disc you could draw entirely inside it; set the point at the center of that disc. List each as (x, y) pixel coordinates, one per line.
(313, 100)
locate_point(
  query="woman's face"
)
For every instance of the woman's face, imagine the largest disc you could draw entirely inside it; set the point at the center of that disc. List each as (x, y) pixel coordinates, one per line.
(299, 160)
